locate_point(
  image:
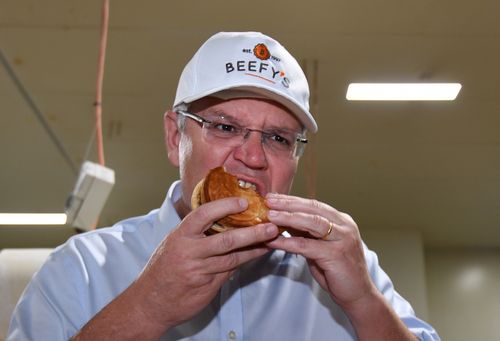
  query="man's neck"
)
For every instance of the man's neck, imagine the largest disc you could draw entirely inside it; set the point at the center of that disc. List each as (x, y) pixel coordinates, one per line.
(181, 208)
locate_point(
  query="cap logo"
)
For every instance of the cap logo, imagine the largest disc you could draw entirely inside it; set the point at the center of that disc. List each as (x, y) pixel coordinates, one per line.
(265, 68)
(261, 51)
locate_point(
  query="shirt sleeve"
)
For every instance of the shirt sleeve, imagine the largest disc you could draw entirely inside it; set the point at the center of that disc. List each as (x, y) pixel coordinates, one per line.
(419, 328)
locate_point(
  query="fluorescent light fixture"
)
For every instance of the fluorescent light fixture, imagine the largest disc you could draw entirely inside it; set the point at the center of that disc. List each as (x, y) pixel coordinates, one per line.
(403, 91)
(32, 218)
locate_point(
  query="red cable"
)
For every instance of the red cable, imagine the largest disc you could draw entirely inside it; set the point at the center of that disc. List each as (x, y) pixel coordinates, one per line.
(100, 76)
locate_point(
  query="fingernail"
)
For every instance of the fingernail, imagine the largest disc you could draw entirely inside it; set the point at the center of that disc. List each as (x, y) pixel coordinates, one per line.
(270, 229)
(271, 198)
(272, 213)
(243, 202)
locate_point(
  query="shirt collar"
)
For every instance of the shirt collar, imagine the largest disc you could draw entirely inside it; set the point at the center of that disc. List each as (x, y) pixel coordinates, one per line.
(168, 218)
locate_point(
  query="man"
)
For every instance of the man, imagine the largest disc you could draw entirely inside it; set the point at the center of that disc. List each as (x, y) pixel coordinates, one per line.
(241, 103)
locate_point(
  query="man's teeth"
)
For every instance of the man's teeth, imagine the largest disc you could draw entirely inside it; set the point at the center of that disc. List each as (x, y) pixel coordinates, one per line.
(245, 184)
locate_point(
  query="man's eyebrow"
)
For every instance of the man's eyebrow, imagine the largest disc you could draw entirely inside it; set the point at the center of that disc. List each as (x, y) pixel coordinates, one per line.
(284, 128)
(221, 114)
(282, 131)
(218, 113)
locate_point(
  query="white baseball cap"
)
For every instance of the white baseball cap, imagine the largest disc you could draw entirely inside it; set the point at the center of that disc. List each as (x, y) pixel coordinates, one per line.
(246, 64)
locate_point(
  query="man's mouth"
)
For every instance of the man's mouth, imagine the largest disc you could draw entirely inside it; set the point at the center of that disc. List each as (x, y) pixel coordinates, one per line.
(247, 184)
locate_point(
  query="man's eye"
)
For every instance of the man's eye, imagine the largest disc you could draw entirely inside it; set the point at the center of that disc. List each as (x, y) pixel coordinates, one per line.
(223, 127)
(280, 139)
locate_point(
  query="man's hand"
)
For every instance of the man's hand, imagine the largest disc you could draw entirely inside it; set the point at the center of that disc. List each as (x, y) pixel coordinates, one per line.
(336, 259)
(182, 276)
(188, 268)
(337, 262)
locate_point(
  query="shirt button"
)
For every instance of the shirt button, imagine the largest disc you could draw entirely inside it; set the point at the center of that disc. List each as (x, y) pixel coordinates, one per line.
(231, 335)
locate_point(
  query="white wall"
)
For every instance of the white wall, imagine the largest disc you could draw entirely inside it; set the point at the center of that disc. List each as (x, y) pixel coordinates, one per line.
(455, 290)
(464, 293)
(16, 269)
(401, 255)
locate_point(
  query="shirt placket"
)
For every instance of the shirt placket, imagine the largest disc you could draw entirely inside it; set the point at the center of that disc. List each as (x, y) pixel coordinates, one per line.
(231, 312)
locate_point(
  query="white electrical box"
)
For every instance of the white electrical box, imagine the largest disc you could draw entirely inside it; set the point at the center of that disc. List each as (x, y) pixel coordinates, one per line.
(91, 191)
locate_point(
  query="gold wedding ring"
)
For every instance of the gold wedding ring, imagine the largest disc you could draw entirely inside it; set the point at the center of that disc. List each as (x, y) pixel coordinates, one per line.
(330, 228)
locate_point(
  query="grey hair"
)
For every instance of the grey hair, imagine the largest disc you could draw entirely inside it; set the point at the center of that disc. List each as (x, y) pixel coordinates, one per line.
(181, 119)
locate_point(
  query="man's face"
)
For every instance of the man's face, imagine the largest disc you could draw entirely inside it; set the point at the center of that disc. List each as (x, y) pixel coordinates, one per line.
(251, 161)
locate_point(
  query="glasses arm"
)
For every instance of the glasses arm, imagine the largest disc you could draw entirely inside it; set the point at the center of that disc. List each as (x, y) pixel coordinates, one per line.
(194, 117)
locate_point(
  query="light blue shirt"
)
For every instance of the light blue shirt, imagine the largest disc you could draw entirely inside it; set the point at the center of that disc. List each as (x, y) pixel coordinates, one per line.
(271, 298)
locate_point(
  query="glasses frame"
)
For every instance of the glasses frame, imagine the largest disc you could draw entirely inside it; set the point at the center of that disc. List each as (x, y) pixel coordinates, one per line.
(300, 140)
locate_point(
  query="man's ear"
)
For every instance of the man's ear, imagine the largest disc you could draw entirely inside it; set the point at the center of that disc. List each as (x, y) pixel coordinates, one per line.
(172, 137)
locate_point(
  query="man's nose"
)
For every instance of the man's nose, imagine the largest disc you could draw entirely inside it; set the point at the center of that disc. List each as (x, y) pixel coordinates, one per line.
(251, 151)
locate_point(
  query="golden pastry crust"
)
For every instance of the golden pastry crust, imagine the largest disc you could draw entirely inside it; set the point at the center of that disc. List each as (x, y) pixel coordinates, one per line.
(219, 184)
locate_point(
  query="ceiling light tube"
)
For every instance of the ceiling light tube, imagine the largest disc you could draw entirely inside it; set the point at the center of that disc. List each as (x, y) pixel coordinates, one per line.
(403, 91)
(32, 218)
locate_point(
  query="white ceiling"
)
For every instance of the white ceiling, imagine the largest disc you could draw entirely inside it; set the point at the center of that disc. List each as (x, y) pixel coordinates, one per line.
(432, 167)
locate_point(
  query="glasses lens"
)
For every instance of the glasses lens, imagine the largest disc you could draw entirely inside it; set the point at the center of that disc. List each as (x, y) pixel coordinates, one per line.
(225, 132)
(281, 141)
(221, 129)
(298, 151)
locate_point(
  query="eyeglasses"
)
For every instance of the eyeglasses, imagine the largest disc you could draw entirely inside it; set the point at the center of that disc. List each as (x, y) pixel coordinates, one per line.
(224, 131)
